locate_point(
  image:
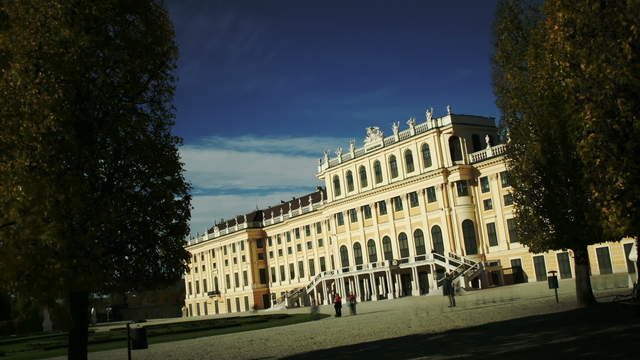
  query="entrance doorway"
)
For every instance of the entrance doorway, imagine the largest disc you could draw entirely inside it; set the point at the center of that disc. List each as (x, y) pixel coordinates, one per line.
(265, 301)
(406, 284)
(423, 283)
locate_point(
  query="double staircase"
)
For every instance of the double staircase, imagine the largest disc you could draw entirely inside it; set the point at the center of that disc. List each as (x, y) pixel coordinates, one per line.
(461, 266)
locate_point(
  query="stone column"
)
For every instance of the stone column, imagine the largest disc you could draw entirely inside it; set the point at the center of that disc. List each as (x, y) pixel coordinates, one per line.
(389, 286)
(399, 283)
(373, 287)
(324, 293)
(356, 283)
(415, 289)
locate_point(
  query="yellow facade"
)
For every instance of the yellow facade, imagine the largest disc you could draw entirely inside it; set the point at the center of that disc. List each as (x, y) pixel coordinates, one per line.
(388, 209)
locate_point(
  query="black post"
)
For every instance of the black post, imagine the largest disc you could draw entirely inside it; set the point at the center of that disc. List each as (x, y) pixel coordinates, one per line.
(557, 301)
(128, 342)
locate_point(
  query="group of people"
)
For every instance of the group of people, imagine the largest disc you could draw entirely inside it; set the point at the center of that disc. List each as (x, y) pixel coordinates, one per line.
(337, 304)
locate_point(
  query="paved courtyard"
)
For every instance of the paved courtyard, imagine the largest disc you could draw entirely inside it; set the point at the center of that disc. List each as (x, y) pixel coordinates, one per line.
(377, 321)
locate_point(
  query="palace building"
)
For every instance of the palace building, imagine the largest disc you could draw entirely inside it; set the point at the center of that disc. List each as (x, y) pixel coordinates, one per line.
(393, 217)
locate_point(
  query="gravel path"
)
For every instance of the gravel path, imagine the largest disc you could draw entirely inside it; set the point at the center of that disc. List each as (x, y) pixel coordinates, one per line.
(375, 321)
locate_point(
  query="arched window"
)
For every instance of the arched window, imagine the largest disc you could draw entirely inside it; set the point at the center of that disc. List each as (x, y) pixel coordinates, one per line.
(344, 256)
(403, 244)
(377, 171)
(436, 237)
(408, 160)
(418, 238)
(393, 166)
(475, 142)
(386, 247)
(371, 249)
(336, 185)
(426, 155)
(363, 176)
(469, 235)
(455, 148)
(349, 181)
(357, 253)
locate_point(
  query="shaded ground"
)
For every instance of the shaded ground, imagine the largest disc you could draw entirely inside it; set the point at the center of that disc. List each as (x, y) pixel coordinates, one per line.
(608, 331)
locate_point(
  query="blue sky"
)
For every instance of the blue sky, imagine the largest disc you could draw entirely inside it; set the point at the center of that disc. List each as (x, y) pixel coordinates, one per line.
(265, 86)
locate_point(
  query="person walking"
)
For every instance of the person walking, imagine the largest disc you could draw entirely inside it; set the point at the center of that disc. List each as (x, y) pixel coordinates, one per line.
(337, 304)
(352, 303)
(449, 289)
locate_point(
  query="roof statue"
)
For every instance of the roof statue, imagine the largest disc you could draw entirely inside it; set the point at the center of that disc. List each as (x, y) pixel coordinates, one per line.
(374, 134)
(339, 151)
(487, 139)
(429, 114)
(449, 109)
(352, 146)
(411, 122)
(396, 128)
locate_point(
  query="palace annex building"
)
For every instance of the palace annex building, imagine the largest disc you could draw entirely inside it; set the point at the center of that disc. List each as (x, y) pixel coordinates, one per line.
(393, 217)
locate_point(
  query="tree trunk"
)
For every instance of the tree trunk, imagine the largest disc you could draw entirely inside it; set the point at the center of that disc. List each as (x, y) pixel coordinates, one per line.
(584, 292)
(79, 333)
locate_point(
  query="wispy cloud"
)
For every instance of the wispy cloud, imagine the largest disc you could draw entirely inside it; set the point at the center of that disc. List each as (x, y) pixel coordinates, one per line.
(231, 175)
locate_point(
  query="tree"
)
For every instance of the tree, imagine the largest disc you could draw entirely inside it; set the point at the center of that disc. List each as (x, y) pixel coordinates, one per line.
(553, 203)
(595, 47)
(89, 171)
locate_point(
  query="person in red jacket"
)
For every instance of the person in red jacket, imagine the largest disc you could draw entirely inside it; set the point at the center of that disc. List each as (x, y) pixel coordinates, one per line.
(337, 304)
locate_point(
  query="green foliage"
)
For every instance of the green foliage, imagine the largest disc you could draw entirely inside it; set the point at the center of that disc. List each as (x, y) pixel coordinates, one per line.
(89, 170)
(552, 198)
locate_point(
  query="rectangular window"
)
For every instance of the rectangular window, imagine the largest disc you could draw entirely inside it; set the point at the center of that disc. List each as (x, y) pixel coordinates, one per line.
(382, 207)
(279, 239)
(511, 225)
(269, 241)
(263, 276)
(288, 235)
(260, 243)
(413, 199)
(206, 311)
(540, 268)
(238, 304)
(228, 305)
(228, 281)
(245, 278)
(366, 211)
(279, 252)
(484, 184)
(491, 233)
(627, 250)
(204, 285)
(197, 287)
(236, 280)
(270, 254)
(323, 266)
(504, 179)
(273, 274)
(198, 309)
(246, 303)
(226, 262)
(320, 244)
(340, 219)
(297, 232)
(224, 248)
(190, 289)
(431, 194)
(298, 247)
(292, 271)
(353, 215)
(235, 260)
(564, 265)
(300, 269)
(309, 245)
(604, 261)
(241, 245)
(307, 230)
(282, 273)
(508, 200)
(488, 204)
(289, 250)
(202, 256)
(260, 256)
(233, 247)
(318, 228)
(462, 187)
(397, 203)
(312, 268)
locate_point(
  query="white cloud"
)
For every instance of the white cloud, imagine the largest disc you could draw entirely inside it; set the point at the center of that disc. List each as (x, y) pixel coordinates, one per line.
(230, 175)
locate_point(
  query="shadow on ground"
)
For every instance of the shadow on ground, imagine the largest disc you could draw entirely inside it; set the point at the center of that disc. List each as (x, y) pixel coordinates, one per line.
(606, 331)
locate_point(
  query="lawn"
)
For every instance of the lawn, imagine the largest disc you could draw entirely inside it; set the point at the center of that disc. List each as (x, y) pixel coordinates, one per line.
(54, 344)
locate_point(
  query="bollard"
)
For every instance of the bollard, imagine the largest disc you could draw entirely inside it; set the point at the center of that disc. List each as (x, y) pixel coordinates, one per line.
(553, 283)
